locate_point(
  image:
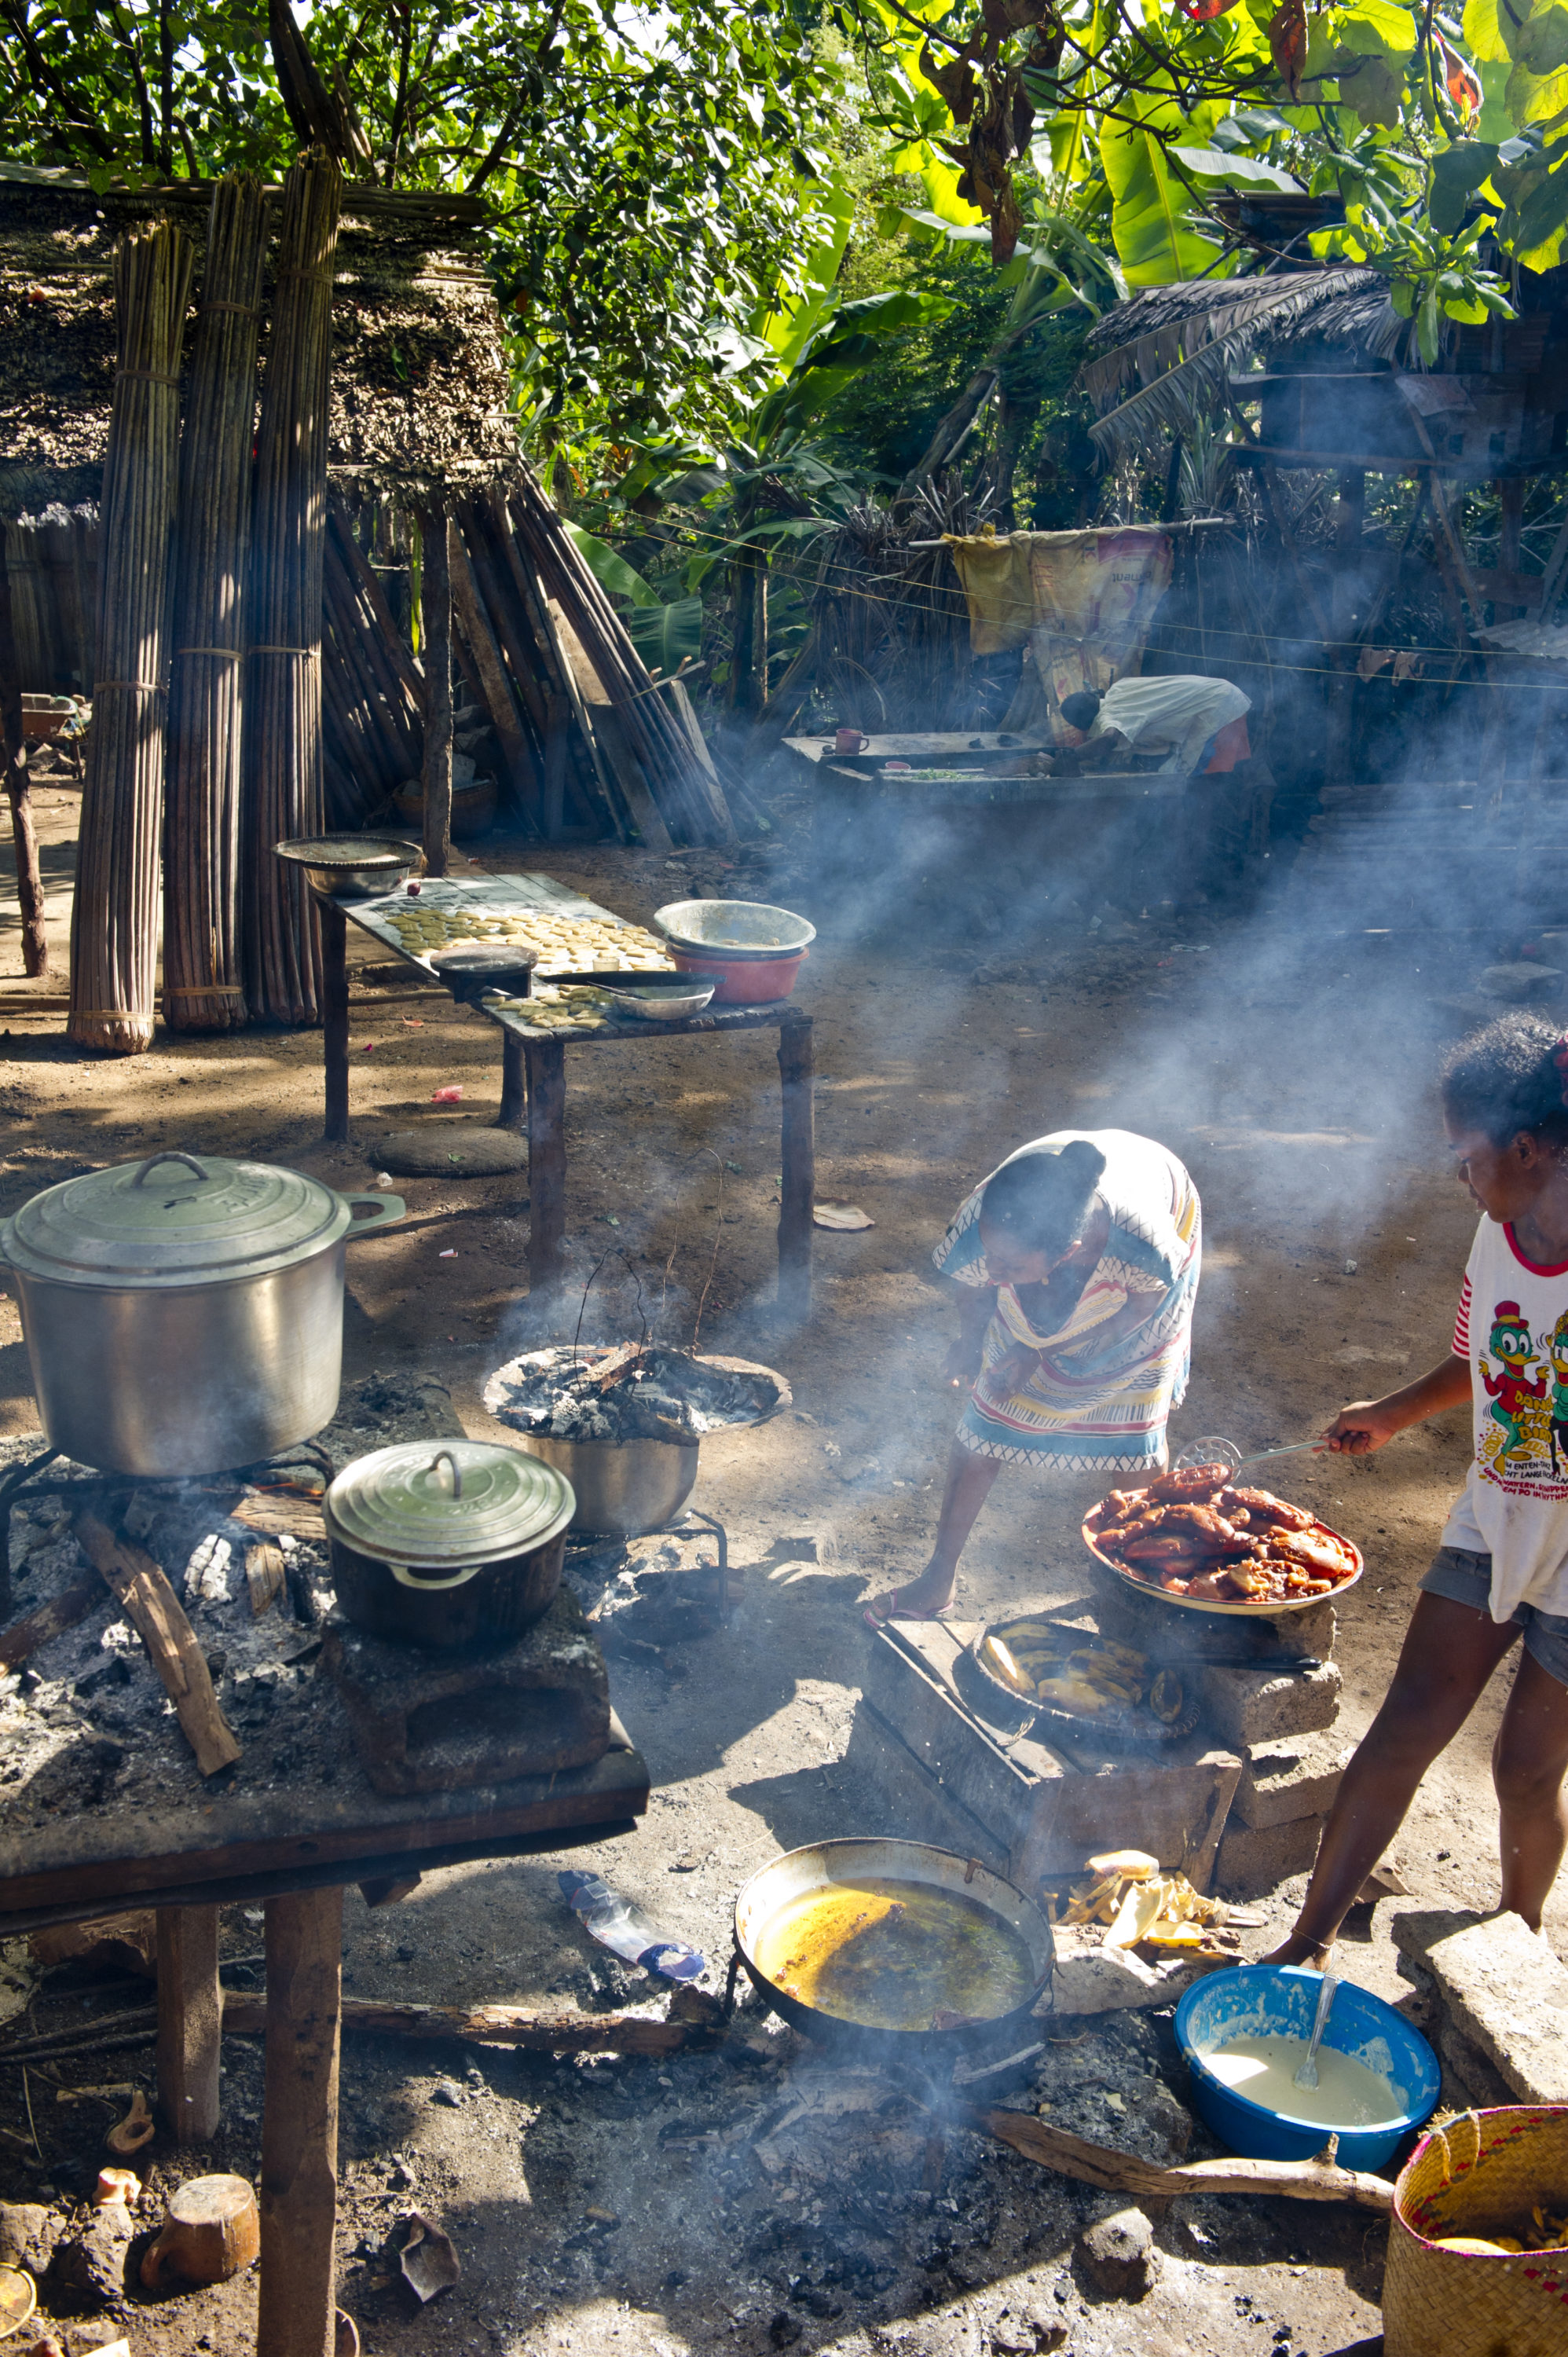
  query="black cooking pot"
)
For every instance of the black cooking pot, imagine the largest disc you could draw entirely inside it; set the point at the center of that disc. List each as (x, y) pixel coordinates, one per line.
(461, 1545)
(471, 971)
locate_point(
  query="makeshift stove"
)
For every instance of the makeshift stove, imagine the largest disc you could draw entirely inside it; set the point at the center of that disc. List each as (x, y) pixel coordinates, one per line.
(1237, 1801)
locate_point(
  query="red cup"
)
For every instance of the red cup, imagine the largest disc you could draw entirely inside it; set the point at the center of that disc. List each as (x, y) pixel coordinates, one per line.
(742, 982)
(848, 740)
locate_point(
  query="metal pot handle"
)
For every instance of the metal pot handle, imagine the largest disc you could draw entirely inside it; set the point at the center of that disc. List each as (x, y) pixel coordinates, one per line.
(171, 1154)
(457, 1469)
(434, 1587)
(388, 1207)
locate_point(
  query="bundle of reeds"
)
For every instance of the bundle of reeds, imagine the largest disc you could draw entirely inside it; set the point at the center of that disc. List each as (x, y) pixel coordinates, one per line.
(283, 780)
(202, 989)
(372, 693)
(113, 931)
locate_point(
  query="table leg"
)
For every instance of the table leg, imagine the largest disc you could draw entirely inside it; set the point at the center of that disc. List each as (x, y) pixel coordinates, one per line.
(798, 1165)
(514, 1083)
(190, 2022)
(334, 1018)
(546, 1165)
(299, 2129)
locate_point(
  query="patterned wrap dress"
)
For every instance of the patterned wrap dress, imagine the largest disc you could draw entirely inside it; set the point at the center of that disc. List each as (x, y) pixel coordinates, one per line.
(1092, 1407)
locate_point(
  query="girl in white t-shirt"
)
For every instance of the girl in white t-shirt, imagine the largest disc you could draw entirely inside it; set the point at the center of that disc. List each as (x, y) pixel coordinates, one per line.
(1502, 1568)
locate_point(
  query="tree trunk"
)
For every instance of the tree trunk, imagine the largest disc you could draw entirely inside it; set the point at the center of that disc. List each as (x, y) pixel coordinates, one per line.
(953, 430)
(14, 757)
(748, 663)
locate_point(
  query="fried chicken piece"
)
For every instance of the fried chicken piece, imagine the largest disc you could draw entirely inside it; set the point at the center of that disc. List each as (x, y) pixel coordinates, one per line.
(1266, 1510)
(1315, 1551)
(1120, 1506)
(1204, 1522)
(1160, 1551)
(1199, 1483)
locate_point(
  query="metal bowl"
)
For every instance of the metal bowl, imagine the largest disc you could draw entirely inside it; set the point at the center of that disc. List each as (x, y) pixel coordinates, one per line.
(352, 867)
(623, 1487)
(658, 1001)
(800, 1872)
(739, 928)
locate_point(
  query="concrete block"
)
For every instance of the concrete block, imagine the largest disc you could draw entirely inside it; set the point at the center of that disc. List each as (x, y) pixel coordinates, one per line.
(1289, 1776)
(1144, 1618)
(1252, 1705)
(1114, 1980)
(1258, 1858)
(1481, 2084)
(1503, 1989)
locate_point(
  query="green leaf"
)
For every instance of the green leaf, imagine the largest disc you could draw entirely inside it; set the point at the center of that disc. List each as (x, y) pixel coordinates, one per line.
(1483, 34)
(1542, 41)
(1535, 98)
(610, 571)
(1375, 28)
(667, 636)
(1235, 171)
(1151, 217)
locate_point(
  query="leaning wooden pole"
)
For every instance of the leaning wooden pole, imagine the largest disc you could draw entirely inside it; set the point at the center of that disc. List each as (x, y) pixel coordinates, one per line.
(435, 612)
(281, 751)
(114, 918)
(14, 754)
(202, 987)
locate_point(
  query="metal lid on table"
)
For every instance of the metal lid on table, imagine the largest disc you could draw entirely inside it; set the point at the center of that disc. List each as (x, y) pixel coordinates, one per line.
(464, 1501)
(174, 1218)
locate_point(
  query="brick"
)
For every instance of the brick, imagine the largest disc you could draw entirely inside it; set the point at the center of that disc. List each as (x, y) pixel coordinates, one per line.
(1255, 1705)
(1503, 1990)
(1289, 1776)
(1256, 1858)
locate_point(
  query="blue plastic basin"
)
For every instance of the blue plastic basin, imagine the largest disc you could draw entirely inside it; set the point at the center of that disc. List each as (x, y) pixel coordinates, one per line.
(1280, 2000)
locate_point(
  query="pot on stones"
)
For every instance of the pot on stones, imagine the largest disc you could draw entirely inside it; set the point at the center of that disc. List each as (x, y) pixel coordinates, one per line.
(460, 1545)
(185, 1314)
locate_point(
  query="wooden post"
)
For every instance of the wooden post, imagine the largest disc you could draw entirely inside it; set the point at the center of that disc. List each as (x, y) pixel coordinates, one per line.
(13, 755)
(798, 1152)
(190, 2022)
(334, 1018)
(556, 768)
(514, 1083)
(546, 1060)
(298, 2315)
(436, 608)
(1348, 529)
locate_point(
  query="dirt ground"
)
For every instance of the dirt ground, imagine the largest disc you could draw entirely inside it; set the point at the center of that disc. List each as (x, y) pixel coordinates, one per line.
(757, 2198)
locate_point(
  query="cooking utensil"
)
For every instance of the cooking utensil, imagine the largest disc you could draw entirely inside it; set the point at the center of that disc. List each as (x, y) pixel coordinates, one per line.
(447, 1547)
(1136, 1725)
(1264, 1609)
(185, 1314)
(470, 972)
(352, 867)
(656, 998)
(735, 928)
(825, 1868)
(1216, 1451)
(1307, 2074)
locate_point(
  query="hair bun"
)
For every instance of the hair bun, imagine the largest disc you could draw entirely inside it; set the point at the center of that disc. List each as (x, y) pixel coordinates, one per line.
(1087, 1161)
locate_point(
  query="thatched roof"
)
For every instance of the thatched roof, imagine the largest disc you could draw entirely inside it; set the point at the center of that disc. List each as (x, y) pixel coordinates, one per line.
(419, 378)
(1164, 357)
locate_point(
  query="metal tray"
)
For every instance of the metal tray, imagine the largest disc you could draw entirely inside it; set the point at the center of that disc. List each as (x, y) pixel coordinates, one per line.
(1131, 1727)
(1265, 1610)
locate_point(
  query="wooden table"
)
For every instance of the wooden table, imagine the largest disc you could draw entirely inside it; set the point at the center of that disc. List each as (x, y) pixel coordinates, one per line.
(292, 1846)
(534, 1067)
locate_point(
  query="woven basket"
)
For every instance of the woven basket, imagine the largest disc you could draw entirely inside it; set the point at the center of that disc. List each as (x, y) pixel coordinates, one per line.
(1481, 2174)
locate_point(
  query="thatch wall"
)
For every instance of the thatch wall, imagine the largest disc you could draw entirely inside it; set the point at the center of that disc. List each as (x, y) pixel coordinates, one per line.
(419, 378)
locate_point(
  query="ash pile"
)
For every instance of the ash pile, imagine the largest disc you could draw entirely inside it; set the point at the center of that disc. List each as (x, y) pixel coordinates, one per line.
(631, 1392)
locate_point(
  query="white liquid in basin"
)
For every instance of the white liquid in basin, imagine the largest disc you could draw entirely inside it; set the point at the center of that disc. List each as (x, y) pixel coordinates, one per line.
(1347, 2095)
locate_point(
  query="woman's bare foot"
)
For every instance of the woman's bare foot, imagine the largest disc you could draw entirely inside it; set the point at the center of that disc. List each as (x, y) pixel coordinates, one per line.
(917, 1599)
(1299, 1950)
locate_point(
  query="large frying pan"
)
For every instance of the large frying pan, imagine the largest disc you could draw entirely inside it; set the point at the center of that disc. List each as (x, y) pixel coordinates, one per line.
(1264, 1609)
(800, 1872)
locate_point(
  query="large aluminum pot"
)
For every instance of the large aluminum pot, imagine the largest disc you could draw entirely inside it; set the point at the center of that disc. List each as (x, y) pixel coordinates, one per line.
(183, 1315)
(458, 1546)
(623, 1487)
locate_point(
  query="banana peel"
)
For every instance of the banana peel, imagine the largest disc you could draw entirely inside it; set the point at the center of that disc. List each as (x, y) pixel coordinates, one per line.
(1137, 1913)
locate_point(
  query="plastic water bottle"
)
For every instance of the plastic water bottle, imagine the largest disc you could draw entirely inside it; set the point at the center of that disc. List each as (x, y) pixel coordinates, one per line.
(626, 1930)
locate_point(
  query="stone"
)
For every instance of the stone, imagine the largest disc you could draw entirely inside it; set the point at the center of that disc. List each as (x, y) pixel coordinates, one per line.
(1110, 1980)
(451, 1149)
(1289, 1776)
(1028, 2334)
(91, 2261)
(1521, 983)
(1119, 2254)
(447, 2092)
(1482, 2086)
(1246, 1705)
(1256, 1858)
(1503, 1989)
(27, 2235)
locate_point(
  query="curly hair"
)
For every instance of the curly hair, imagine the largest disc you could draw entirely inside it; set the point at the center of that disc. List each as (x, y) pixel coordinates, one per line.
(1507, 1078)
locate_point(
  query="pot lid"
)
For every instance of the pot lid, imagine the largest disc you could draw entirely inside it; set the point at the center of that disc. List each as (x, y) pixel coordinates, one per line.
(174, 1218)
(455, 1501)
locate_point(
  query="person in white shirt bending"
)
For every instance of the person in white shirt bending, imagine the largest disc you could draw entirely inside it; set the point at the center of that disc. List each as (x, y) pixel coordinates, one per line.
(1501, 1571)
(1200, 722)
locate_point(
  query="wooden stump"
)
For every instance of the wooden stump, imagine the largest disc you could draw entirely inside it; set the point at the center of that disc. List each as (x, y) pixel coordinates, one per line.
(191, 2023)
(211, 2232)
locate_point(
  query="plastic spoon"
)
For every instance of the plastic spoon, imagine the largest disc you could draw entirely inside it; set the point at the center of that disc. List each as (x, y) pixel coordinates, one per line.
(1307, 2075)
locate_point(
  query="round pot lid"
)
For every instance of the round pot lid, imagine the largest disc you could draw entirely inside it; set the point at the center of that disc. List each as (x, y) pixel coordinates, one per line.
(448, 1502)
(174, 1218)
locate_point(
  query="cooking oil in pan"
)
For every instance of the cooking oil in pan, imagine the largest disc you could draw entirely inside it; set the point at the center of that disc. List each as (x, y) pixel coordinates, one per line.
(895, 1955)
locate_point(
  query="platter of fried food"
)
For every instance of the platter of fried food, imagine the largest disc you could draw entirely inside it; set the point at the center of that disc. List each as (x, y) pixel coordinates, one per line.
(1210, 1546)
(566, 945)
(1142, 1907)
(1072, 1672)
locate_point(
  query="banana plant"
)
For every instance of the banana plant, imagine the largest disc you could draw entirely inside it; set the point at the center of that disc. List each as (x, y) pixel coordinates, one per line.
(665, 635)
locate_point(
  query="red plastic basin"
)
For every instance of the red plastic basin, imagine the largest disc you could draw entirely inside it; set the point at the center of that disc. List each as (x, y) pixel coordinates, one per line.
(742, 981)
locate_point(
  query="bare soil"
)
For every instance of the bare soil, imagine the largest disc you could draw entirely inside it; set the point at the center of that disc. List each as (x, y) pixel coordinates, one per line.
(760, 2197)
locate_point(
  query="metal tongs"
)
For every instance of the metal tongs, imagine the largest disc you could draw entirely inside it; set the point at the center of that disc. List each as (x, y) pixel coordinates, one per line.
(1216, 1450)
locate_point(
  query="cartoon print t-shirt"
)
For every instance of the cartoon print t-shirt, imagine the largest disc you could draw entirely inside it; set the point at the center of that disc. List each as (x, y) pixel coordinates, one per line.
(1513, 1328)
